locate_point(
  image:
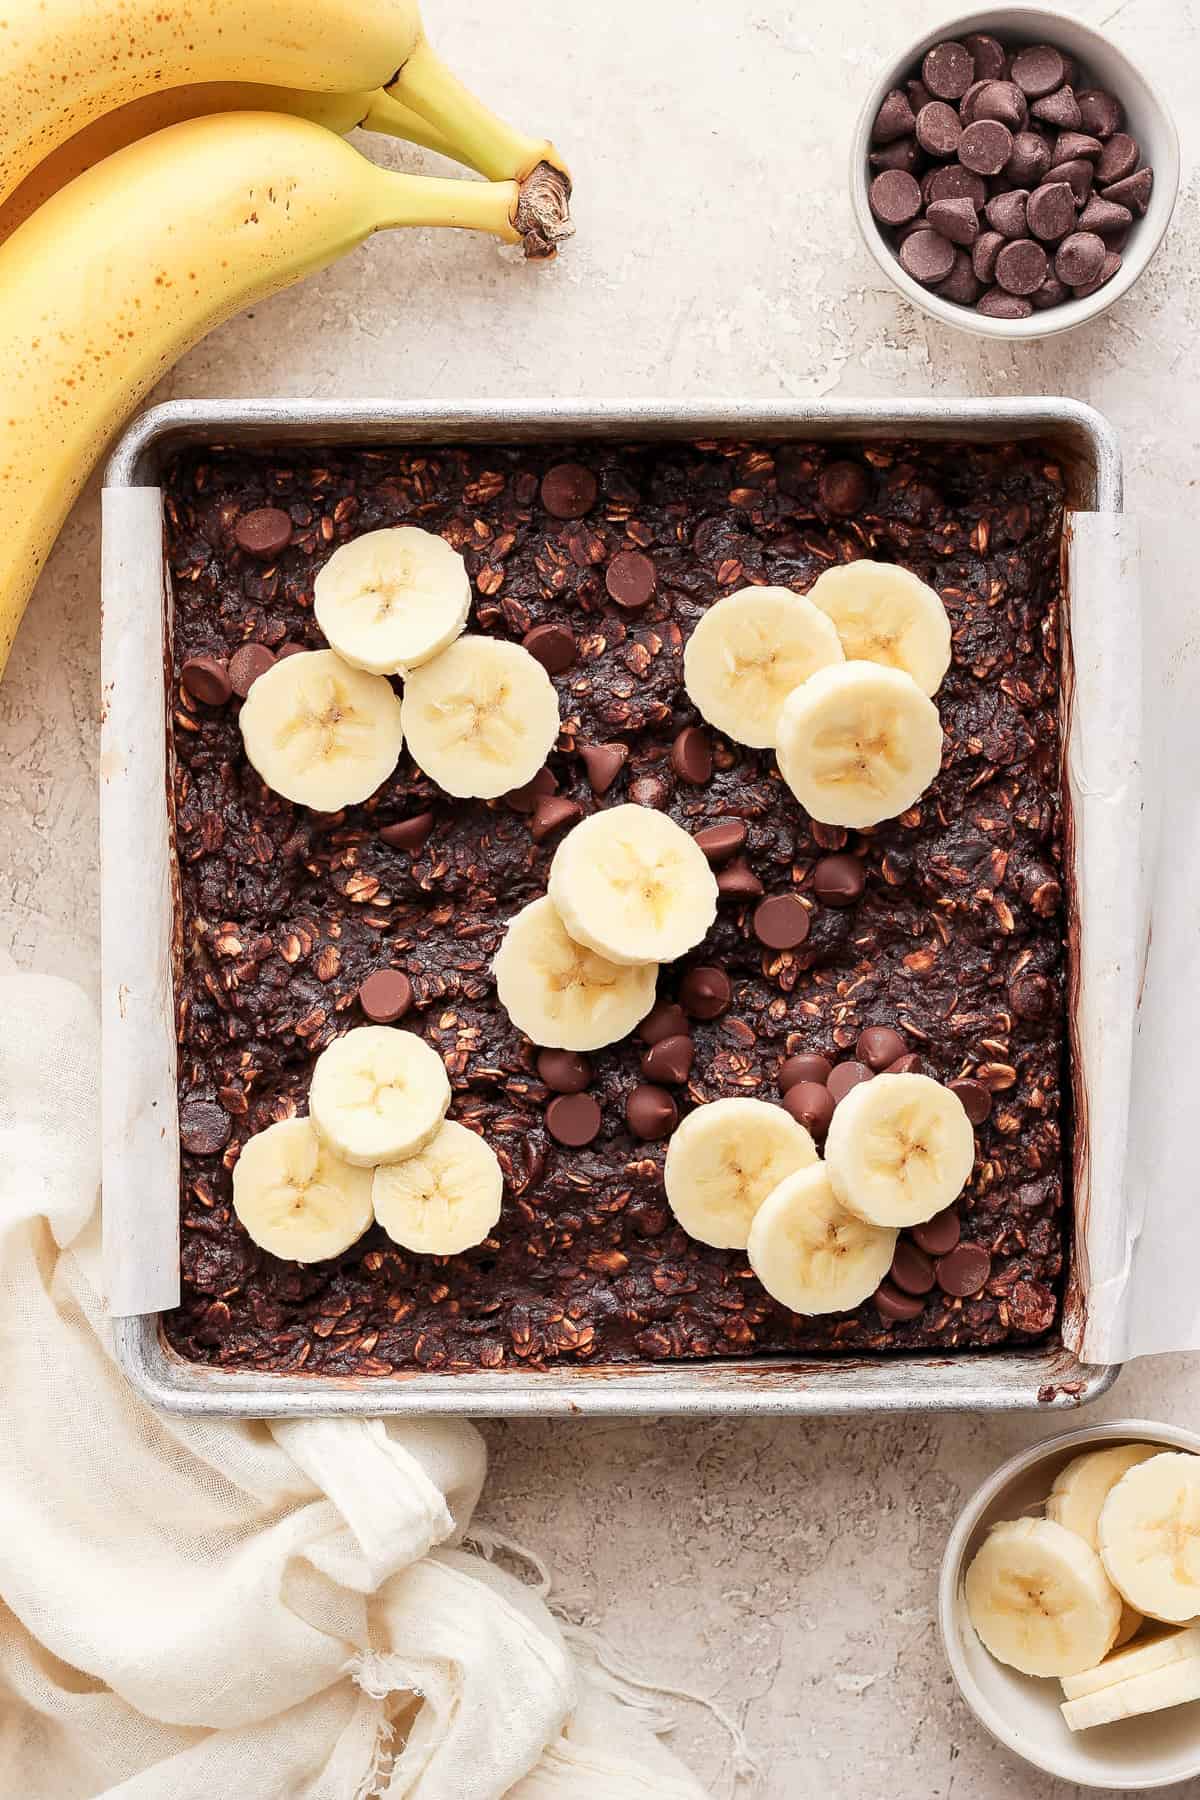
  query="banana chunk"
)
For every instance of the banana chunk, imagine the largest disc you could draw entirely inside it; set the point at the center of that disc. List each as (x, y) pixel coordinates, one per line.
(1150, 1536)
(1080, 1490)
(900, 1149)
(1039, 1599)
(722, 1162)
(747, 654)
(481, 718)
(887, 615)
(378, 1094)
(561, 994)
(445, 1198)
(321, 733)
(632, 885)
(296, 1198)
(390, 600)
(810, 1253)
(1138, 1659)
(858, 743)
(1176, 1685)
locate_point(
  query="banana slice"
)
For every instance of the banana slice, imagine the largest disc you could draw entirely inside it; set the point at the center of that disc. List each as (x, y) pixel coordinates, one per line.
(722, 1162)
(561, 994)
(858, 743)
(810, 1253)
(1150, 1536)
(1176, 1685)
(1079, 1492)
(633, 885)
(481, 718)
(900, 1149)
(887, 615)
(445, 1198)
(1139, 1659)
(378, 1094)
(747, 654)
(321, 733)
(1039, 1599)
(391, 599)
(296, 1198)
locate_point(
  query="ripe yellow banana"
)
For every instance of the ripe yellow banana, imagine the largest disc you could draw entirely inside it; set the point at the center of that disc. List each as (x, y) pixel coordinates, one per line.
(124, 269)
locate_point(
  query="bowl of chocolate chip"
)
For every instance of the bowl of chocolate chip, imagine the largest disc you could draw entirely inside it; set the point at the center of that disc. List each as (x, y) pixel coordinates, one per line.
(1013, 173)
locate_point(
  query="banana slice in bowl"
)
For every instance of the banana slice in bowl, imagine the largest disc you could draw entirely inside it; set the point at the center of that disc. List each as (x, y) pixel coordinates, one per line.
(321, 733)
(747, 654)
(858, 743)
(443, 1200)
(1040, 1600)
(885, 614)
(810, 1253)
(899, 1149)
(633, 885)
(392, 599)
(560, 993)
(296, 1198)
(378, 1094)
(481, 718)
(1150, 1537)
(724, 1159)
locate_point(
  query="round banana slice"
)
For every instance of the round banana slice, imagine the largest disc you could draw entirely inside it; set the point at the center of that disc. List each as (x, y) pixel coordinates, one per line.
(747, 654)
(296, 1198)
(633, 885)
(810, 1253)
(1080, 1490)
(900, 1149)
(445, 1198)
(887, 615)
(1039, 1599)
(561, 994)
(481, 718)
(390, 600)
(858, 743)
(321, 733)
(1150, 1536)
(722, 1162)
(378, 1094)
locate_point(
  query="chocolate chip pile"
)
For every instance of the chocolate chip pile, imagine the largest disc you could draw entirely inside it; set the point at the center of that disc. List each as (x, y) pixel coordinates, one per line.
(937, 935)
(1002, 183)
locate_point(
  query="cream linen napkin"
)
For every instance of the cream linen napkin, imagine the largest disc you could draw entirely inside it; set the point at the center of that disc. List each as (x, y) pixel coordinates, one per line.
(260, 1611)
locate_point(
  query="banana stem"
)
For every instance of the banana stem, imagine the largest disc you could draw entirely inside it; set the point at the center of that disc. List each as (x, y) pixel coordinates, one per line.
(388, 115)
(434, 200)
(425, 84)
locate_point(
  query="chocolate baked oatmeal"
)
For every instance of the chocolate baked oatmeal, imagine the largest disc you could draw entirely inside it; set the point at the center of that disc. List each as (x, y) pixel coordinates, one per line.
(934, 940)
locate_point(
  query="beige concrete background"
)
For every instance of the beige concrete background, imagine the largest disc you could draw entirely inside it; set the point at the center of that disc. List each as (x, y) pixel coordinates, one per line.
(784, 1570)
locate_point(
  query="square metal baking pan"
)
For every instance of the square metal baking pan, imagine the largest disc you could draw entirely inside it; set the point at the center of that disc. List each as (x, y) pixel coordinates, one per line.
(1045, 1376)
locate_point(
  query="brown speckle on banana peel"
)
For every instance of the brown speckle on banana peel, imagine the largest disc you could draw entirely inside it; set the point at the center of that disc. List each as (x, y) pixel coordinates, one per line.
(543, 215)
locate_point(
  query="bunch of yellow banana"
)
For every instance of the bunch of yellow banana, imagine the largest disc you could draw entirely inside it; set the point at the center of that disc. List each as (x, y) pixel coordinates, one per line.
(162, 167)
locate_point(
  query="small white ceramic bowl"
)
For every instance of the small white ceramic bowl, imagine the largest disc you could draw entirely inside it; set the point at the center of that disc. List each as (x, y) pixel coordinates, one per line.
(1102, 65)
(1021, 1711)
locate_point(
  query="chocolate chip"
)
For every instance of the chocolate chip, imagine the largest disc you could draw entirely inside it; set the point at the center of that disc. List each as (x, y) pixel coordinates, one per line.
(938, 1236)
(878, 1046)
(960, 284)
(839, 880)
(939, 132)
(1134, 192)
(524, 799)
(1072, 145)
(948, 70)
(1051, 293)
(1112, 263)
(264, 532)
(665, 1019)
(1038, 70)
(603, 763)
(1118, 159)
(720, 842)
(909, 1064)
(1030, 159)
(573, 1119)
(985, 252)
(691, 756)
(1001, 100)
(976, 1099)
(894, 119)
(781, 921)
(805, 1066)
(1060, 109)
(407, 834)
(551, 813)
(953, 182)
(1006, 213)
(985, 147)
(895, 197)
(705, 992)
(955, 219)
(670, 1060)
(206, 678)
(844, 1076)
(286, 650)
(811, 1104)
(1105, 216)
(568, 490)
(844, 488)
(963, 1271)
(631, 579)
(894, 1307)
(918, 96)
(650, 1112)
(996, 304)
(737, 881)
(246, 665)
(1022, 266)
(1079, 258)
(554, 646)
(912, 1269)
(386, 996)
(1051, 211)
(564, 1071)
(1078, 176)
(1100, 113)
(987, 53)
(204, 1127)
(927, 256)
(903, 154)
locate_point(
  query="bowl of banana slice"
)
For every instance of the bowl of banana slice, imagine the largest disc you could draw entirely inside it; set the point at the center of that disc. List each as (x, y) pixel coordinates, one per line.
(1069, 1605)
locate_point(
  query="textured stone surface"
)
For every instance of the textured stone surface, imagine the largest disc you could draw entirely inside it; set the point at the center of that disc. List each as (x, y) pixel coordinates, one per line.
(785, 1570)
